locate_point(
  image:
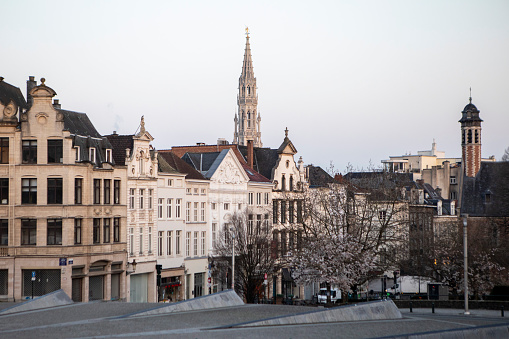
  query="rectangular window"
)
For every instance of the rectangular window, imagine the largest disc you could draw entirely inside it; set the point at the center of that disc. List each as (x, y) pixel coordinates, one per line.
(203, 233)
(141, 240)
(188, 243)
(170, 182)
(55, 151)
(54, 234)
(116, 192)
(107, 191)
(299, 211)
(258, 198)
(226, 206)
(97, 191)
(160, 243)
(131, 241)
(77, 156)
(54, 191)
(109, 156)
(160, 208)
(188, 211)
(177, 208)
(29, 151)
(266, 223)
(195, 212)
(97, 231)
(149, 240)
(106, 229)
(290, 211)
(195, 243)
(203, 191)
(266, 198)
(453, 181)
(202, 212)
(116, 229)
(250, 198)
(168, 208)
(4, 150)
(91, 155)
(283, 212)
(150, 196)
(28, 231)
(250, 224)
(29, 191)
(142, 195)
(131, 198)
(275, 211)
(258, 224)
(177, 242)
(213, 205)
(188, 191)
(214, 234)
(4, 232)
(77, 231)
(195, 191)
(169, 235)
(78, 191)
(4, 191)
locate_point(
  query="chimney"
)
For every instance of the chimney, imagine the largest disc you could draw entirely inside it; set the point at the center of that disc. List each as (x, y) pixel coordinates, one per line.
(31, 83)
(56, 104)
(250, 151)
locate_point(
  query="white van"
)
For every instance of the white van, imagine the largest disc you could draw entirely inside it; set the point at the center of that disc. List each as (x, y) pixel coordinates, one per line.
(335, 295)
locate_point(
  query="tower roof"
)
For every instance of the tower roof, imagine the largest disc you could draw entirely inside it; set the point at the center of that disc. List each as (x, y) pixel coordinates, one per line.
(470, 112)
(247, 65)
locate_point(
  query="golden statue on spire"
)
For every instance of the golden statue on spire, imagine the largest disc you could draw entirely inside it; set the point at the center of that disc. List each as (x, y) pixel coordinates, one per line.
(247, 31)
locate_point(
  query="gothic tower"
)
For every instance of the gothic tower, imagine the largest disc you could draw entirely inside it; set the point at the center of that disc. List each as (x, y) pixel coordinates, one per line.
(247, 118)
(470, 139)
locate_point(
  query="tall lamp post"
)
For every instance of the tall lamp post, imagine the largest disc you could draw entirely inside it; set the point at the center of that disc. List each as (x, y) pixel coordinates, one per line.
(465, 262)
(233, 259)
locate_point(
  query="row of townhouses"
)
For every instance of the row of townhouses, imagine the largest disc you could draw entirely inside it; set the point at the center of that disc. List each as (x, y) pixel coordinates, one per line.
(109, 217)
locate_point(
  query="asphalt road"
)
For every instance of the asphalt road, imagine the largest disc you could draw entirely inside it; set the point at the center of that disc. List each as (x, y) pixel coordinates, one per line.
(110, 320)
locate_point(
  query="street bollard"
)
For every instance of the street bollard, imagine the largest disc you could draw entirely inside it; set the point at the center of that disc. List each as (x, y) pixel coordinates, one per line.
(502, 310)
(411, 307)
(432, 307)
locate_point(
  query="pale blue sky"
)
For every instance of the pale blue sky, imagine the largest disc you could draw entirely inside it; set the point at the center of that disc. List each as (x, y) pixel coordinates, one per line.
(354, 81)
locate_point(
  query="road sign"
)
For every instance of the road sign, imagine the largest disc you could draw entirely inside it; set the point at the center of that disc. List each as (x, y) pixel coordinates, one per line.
(63, 262)
(33, 275)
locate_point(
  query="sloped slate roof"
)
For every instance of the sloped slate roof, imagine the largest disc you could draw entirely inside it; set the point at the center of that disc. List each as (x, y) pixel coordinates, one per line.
(264, 159)
(201, 161)
(120, 143)
(9, 92)
(181, 166)
(163, 165)
(318, 177)
(286, 143)
(79, 124)
(215, 165)
(492, 180)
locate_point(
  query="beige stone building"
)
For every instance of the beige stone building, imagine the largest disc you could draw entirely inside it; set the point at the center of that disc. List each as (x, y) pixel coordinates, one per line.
(62, 209)
(136, 153)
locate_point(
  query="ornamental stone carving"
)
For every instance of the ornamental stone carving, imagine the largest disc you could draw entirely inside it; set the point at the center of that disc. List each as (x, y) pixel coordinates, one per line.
(229, 174)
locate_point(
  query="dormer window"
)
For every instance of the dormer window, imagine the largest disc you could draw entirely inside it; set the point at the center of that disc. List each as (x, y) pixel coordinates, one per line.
(78, 153)
(109, 155)
(487, 198)
(91, 154)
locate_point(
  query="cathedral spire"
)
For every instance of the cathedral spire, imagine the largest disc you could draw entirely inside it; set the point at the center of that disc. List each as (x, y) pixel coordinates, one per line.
(247, 120)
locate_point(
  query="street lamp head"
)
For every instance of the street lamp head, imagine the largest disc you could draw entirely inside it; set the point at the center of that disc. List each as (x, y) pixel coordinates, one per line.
(465, 222)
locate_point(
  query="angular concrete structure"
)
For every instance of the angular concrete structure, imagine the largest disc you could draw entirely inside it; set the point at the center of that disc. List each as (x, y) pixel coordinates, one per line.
(376, 310)
(53, 299)
(222, 299)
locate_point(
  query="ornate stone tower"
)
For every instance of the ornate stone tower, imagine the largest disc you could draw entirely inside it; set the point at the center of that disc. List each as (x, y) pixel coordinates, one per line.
(247, 118)
(470, 139)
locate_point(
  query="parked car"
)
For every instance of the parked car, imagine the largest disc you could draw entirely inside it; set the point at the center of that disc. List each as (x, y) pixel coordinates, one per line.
(335, 295)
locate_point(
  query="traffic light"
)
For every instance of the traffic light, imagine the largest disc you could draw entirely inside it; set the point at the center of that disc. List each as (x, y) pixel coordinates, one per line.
(159, 268)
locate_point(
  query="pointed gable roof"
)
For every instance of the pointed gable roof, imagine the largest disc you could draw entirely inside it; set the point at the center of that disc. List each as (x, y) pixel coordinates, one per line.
(287, 146)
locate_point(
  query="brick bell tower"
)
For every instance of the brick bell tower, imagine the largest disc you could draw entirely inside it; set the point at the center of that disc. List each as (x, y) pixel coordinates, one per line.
(470, 139)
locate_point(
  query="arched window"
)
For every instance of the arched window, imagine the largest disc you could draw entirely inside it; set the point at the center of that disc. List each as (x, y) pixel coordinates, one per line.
(248, 91)
(283, 183)
(469, 136)
(476, 136)
(291, 182)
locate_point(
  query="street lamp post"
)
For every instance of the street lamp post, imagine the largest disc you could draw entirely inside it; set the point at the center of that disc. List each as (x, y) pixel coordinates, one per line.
(465, 262)
(233, 259)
